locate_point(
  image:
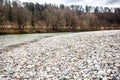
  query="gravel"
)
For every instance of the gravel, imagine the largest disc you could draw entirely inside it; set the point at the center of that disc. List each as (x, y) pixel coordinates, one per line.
(16, 39)
(76, 56)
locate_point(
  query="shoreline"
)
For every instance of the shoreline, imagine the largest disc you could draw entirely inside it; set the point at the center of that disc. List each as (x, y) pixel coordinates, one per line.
(87, 55)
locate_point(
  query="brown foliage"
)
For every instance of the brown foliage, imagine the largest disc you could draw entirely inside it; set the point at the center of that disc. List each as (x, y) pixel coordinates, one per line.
(50, 17)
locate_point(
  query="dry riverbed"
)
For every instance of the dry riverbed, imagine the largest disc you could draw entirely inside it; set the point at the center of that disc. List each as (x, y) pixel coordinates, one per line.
(8, 42)
(75, 56)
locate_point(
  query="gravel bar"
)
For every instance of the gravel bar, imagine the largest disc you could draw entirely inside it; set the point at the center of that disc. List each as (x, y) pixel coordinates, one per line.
(75, 56)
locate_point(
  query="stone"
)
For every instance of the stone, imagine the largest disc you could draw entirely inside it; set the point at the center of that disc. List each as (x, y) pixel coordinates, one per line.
(101, 73)
(43, 79)
(114, 78)
(105, 78)
(58, 62)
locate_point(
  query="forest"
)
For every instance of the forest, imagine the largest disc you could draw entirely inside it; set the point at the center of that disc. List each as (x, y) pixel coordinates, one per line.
(28, 17)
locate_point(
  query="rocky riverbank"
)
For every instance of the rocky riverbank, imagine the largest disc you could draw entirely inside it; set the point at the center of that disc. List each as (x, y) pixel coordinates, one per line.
(76, 56)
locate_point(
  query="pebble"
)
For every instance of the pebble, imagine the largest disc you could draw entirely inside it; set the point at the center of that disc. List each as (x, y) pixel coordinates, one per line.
(77, 56)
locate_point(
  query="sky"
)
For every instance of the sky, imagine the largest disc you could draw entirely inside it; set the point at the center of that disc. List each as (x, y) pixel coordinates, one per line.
(104, 3)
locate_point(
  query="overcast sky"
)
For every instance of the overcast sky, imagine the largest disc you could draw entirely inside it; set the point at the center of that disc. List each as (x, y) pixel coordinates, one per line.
(105, 3)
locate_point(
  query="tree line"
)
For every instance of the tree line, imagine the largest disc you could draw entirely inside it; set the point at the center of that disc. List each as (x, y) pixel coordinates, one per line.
(57, 18)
